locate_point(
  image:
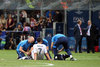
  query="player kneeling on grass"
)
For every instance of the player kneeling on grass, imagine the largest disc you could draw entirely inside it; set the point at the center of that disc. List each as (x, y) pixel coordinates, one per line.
(38, 50)
(23, 47)
(57, 40)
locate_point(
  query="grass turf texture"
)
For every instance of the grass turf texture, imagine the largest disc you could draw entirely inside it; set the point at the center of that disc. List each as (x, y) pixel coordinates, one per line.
(8, 59)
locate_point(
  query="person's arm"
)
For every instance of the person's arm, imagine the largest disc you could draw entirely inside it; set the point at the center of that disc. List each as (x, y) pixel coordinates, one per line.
(12, 25)
(48, 56)
(46, 53)
(30, 50)
(61, 50)
(52, 45)
(47, 47)
(35, 56)
(35, 52)
(21, 49)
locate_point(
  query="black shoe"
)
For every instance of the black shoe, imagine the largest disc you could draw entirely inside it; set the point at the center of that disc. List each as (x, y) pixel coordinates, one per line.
(80, 52)
(88, 51)
(65, 56)
(75, 51)
(73, 59)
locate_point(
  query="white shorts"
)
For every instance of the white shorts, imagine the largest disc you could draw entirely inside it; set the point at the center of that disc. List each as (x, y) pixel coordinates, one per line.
(39, 56)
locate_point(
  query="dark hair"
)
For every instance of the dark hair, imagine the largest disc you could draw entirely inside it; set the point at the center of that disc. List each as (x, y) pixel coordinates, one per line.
(0, 32)
(27, 24)
(39, 39)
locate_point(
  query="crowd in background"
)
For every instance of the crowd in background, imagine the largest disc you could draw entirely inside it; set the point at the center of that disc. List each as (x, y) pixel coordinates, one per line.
(29, 20)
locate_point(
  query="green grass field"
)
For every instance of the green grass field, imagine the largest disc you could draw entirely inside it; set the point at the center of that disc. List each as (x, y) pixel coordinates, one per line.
(8, 59)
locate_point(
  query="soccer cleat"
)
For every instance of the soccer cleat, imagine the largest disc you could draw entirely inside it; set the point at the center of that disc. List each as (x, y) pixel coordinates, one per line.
(73, 59)
(65, 56)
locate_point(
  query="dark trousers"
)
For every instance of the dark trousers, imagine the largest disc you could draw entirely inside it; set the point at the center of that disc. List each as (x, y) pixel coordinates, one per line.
(20, 54)
(78, 43)
(62, 41)
(90, 44)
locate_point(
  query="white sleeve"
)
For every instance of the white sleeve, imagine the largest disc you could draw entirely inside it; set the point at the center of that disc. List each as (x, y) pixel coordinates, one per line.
(45, 50)
(34, 49)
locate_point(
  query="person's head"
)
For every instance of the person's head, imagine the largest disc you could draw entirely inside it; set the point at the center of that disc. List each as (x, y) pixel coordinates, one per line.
(41, 18)
(39, 40)
(31, 39)
(89, 22)
(27, 24)
(2, 16)
(19, 26)
(57, 12)
(79, 22)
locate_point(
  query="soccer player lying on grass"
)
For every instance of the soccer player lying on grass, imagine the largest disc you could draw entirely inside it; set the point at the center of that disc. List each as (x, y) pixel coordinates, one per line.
(23, 47)
(57, 40)
(45, 42)
(38, 50)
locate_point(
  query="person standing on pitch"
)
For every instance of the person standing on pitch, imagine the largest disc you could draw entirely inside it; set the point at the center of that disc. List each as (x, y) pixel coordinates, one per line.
(57, 40)
(23, 47)
(78, 36)
(91, 36)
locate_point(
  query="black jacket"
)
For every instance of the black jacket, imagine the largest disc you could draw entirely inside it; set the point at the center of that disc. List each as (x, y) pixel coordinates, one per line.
(77, 32)
(93, 32)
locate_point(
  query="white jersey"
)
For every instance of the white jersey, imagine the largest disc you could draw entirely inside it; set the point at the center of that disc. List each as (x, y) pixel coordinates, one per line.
(40, 49)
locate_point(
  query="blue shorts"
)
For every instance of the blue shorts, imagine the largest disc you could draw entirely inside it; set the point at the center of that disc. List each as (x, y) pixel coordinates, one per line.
(20, 54)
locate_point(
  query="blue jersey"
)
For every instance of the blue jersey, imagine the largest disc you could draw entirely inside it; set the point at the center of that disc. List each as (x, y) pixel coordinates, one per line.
(23, 44)
(45, 42)
(56, 37)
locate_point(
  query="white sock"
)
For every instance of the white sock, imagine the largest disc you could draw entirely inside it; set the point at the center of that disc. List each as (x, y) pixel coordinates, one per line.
(71, 56)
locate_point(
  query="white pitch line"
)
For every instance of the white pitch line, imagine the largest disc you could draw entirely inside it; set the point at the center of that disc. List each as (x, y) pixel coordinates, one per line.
(38, 64)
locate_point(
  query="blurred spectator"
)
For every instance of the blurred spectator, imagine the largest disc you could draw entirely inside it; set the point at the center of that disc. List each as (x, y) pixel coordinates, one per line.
(40, 24)
(11, 42)
(23, 16)
(1, 26)
(33, 23)
(49, 21)
(58, 16)
(27, 27)
(3, 21)
(8, 37)
(24, 36)
(19, 28)
(50, 12)
(0, 37)
(19, 23)
(14, 14)
(37, 15)
(10, 22)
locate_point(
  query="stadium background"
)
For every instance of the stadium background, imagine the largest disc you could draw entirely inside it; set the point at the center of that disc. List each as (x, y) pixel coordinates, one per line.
(72, 10)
